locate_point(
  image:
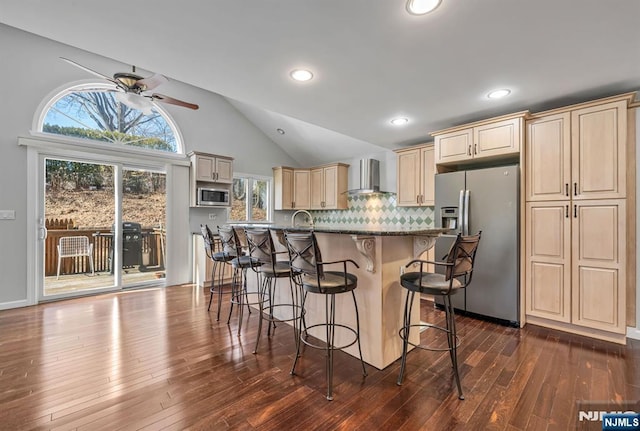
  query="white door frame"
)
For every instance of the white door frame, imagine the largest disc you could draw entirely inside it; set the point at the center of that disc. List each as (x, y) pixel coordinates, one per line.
(38, 150)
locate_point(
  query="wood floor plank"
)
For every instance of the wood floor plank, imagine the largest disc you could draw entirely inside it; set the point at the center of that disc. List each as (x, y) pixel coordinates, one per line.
(158, 360)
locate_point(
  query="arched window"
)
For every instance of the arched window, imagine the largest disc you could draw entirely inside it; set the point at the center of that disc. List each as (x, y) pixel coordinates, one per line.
(96, 112)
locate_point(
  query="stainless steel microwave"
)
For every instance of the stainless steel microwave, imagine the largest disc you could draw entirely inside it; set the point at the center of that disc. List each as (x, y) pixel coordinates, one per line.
(212, 197)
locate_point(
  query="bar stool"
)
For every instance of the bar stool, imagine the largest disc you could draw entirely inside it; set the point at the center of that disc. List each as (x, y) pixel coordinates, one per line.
(458, 266)
(262, 249)
(219, 259)
(305, 259)
(231, 243)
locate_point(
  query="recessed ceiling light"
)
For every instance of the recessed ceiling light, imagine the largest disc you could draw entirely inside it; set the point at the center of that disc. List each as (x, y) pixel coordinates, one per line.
(499, 94)
(301, 75)
(421, 7)
(280, 131)
(400, 121)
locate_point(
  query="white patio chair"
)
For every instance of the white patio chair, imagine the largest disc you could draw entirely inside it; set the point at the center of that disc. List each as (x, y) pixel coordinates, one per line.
(74, 246)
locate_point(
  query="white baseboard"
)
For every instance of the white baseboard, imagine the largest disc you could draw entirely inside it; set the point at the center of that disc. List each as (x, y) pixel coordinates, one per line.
(14, 304)
(633, 333)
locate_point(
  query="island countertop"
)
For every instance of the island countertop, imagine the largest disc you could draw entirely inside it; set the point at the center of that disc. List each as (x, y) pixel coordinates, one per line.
(374, 231)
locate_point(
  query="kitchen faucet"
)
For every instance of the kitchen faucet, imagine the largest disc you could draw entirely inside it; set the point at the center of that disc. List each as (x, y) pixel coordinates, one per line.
(309, 216)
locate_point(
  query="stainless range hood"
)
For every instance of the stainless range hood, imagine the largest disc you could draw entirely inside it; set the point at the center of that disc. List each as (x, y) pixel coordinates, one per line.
(369, 178)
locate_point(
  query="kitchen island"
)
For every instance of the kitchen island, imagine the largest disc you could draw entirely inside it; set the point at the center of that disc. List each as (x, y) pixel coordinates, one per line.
(380, 254)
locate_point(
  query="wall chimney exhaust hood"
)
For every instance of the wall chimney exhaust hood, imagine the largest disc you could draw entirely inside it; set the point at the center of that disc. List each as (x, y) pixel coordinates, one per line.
(369, 178)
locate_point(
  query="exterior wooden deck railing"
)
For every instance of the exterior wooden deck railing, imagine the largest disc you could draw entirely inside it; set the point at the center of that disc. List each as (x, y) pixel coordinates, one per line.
(102, 240)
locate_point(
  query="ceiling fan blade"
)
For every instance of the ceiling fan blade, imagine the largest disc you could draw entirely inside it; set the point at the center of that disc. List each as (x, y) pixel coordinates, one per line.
(151, 82)
(166, 99)
(93, 72)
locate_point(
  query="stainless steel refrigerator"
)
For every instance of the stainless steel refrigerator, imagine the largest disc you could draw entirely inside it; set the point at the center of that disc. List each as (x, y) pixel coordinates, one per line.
(484, 200)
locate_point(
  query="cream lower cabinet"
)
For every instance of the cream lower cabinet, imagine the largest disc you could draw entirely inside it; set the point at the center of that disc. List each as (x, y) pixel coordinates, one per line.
(598, 265)
(415, 171)
(548, 257)
(575, 264)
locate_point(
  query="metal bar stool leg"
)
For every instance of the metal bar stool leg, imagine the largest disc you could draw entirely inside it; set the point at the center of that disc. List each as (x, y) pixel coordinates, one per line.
(452, 344)
(355, 304)
(301, 333)
(213, 282)
(330, 315)
(234, 292)
(406, 332)
(261, 295)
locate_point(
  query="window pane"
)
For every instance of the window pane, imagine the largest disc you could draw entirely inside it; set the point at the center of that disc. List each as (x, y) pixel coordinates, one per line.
(260, 201)
(239, 206)
(98, 115)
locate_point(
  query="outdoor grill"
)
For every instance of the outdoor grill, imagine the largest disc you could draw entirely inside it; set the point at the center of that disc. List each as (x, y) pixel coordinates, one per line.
(131, 244)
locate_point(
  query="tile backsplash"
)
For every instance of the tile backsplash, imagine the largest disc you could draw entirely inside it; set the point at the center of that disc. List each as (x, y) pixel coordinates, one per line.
(379, 211)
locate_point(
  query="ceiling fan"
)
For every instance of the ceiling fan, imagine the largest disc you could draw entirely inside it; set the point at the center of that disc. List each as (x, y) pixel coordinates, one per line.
(131, 89)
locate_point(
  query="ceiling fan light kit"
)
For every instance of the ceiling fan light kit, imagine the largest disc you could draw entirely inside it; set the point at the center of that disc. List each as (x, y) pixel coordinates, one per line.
(131, 88)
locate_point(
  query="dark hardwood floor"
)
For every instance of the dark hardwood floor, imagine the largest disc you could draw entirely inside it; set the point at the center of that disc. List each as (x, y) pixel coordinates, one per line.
(156, 359)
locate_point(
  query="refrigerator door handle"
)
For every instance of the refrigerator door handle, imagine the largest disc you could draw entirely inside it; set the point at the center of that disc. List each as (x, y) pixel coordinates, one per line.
(466, 213)
(461, 212)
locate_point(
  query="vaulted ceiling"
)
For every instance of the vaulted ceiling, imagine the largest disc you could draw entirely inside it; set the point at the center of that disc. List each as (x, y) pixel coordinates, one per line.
(371, 60)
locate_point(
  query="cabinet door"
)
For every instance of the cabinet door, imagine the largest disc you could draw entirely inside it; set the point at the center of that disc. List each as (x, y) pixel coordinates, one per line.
(301, 189)
(205, 168)
(224, 170)
(548, 158)
(497, 139)
(330, 186)
(548, 260)
(408, 177)
(598, 153)
(283, 188)
(454, 146)
(317, 188)
(598, 266)
(427, 173)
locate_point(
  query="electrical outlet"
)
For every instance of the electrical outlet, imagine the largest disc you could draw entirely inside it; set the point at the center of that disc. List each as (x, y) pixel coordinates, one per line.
(212, 216)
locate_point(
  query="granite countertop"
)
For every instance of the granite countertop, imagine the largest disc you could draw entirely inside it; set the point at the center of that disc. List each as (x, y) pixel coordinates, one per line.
(364, 230)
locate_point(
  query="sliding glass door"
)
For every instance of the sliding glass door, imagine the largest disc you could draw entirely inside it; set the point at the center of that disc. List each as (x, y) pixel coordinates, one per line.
(102, 227)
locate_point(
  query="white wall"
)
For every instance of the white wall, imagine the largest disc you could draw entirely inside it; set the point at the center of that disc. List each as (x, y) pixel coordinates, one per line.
(31, 70)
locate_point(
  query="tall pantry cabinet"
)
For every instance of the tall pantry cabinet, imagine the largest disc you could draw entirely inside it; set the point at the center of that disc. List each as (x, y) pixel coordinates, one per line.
(576, 218)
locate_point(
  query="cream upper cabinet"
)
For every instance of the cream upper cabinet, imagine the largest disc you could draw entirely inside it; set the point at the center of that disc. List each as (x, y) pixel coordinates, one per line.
(548, 158)
(291, 188)
(211, 168)
(497, 139)
(454, 146)
(579, 154)
(599, 279)
(598, 135)
(415, 170)
(283, 188)
(490, 139)
(301, 189)
(329, 187)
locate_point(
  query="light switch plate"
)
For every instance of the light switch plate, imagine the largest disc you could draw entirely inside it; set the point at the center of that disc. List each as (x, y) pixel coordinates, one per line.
(7, 215)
